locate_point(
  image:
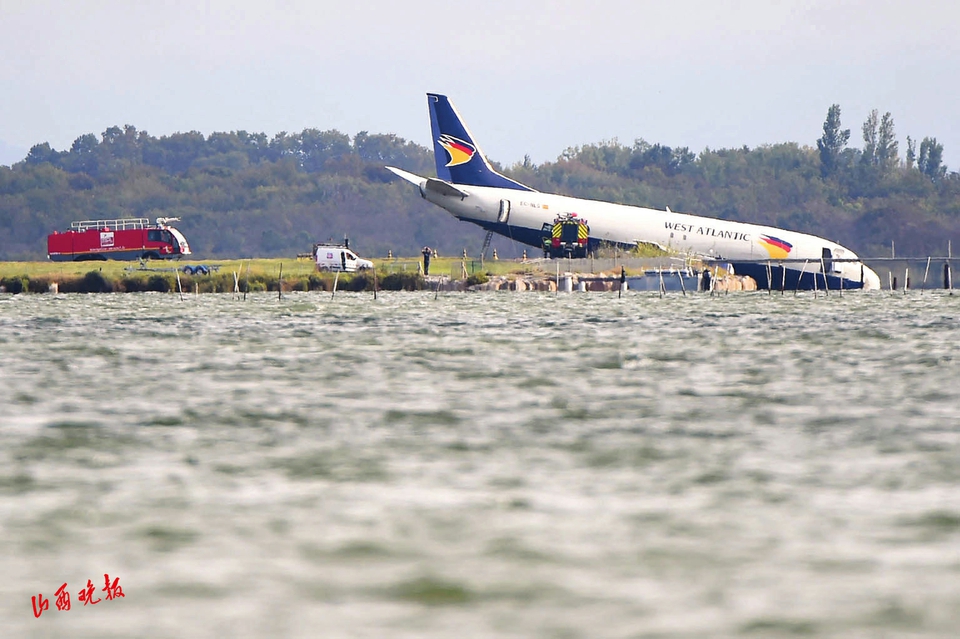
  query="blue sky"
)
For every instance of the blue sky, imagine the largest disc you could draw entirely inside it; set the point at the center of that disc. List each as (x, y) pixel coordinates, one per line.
(530, 77)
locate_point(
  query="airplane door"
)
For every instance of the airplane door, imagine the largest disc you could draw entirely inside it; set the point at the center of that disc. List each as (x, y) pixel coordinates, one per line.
(504, 215)
(828, 264)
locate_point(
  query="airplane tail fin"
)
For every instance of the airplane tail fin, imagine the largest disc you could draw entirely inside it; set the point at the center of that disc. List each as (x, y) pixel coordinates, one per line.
(459, 159)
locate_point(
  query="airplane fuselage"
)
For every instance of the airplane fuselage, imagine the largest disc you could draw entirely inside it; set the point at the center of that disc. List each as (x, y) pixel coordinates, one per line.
(521, 215)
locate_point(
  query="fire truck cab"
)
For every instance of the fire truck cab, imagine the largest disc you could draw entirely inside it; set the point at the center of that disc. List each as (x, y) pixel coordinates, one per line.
(121, 239)
(566, 237)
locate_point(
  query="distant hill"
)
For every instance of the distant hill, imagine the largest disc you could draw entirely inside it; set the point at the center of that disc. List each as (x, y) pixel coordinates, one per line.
(242, 194)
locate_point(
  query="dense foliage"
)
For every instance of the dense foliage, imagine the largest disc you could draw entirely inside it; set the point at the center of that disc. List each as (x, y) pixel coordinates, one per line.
(241, 194)
(237, 194)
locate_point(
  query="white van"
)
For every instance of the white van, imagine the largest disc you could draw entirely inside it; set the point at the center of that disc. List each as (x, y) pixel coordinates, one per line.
(338, 258)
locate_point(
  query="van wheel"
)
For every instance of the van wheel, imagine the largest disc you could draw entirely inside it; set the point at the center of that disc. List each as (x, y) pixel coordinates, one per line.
(324, 269)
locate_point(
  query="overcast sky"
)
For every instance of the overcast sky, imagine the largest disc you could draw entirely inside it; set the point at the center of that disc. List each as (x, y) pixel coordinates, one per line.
(530, 77)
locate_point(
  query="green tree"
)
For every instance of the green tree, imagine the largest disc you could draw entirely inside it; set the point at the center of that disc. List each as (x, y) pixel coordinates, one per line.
(669, 161)
(930, 162)
(888, 155)
(870, 135)
(175, 153)
(41, 153)
(832, 142)
(282, 145)
(83, 156)
(389, 149)
(316, 147)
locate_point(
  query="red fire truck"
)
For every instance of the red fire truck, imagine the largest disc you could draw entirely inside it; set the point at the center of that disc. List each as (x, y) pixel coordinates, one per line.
(124, 239)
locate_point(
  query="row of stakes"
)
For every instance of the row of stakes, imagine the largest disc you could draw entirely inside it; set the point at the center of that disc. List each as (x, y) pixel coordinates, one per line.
(892, 280)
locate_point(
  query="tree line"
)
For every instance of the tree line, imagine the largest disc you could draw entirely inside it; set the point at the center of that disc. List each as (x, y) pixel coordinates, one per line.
(880, 156)
(242, 194)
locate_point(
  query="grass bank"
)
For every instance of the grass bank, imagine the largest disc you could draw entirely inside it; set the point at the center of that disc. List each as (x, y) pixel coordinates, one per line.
(223, 276)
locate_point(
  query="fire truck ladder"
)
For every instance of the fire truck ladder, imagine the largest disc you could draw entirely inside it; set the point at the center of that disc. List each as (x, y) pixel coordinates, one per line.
(123, 224)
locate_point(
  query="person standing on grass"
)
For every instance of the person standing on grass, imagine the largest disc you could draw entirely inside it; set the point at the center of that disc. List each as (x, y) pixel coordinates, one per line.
(427, 252)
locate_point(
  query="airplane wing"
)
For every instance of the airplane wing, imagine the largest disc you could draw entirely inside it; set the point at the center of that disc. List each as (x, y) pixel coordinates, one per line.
(656, 245)
(430, 184)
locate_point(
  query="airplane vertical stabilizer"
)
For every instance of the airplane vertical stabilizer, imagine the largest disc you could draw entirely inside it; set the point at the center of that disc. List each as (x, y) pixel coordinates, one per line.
(459, 159)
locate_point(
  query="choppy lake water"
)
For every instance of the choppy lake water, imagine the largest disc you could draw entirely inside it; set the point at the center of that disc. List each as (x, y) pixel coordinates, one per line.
(482, 465)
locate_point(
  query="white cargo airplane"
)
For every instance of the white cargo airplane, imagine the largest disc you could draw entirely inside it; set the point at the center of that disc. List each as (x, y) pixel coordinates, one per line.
(470, 189)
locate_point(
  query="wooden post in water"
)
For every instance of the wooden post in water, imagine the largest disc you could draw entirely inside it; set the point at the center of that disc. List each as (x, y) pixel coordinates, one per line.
(336, 280)
(923, 284)
(179, 285)
(816, 290)
(783, 277)
(800, 278)
(246, 283)
(683, 288)
(280, 283)
(826, 286)
(769, 279)
(947, 266)
(906, 279)
(236, 284)
(375, 283)
(660, 273)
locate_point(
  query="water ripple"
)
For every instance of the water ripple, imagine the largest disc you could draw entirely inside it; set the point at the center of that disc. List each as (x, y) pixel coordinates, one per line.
(484, 465)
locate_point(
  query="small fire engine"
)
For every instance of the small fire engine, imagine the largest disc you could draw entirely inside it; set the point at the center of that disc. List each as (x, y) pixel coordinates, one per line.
(566, 237)
(129, 238)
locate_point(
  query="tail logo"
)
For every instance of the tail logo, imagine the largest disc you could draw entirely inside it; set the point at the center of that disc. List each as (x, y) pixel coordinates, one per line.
(777, 248)
(460, 152)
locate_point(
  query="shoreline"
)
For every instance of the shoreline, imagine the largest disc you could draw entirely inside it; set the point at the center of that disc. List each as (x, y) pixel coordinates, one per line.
(390, 274)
